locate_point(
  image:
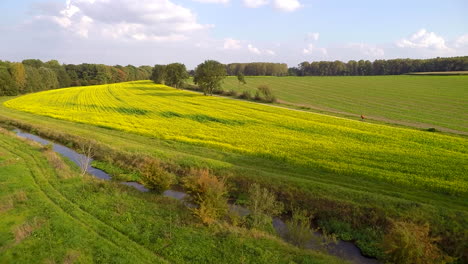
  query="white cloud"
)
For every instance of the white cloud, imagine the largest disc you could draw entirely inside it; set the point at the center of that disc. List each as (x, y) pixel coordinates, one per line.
(270, 52)
(368, 49)
(423, 39)
(253, 49)
(213, 1)
(157, 20)
(312, 36)
(311, 49)
(287, 5)
(461, 41)
(255, 3)
(232, 44)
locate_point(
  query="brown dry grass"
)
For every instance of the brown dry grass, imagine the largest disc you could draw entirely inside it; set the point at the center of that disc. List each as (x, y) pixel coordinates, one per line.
(23, 231)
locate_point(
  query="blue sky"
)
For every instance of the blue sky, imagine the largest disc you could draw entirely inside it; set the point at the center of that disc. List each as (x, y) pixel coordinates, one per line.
(190, 31)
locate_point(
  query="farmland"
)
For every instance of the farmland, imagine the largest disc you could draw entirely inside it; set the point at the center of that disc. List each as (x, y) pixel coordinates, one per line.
(325, 162)
(414, 101)
(52, 215)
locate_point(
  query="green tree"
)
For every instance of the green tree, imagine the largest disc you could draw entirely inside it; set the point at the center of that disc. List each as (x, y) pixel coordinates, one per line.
(241, 78)
(18, 74)
(176, 74)
(7, 83)
(48, 78)
(209, 76)
(158, 74)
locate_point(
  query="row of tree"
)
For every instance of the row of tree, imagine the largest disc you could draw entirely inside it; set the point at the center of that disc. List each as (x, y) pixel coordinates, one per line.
(257, 69)
(379, 67)
(34, 75)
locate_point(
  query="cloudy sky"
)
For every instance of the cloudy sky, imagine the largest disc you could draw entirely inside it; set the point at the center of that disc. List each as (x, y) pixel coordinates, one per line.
(148, 32)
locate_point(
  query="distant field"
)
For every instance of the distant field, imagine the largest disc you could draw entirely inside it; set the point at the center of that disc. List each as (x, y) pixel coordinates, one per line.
(417, 101)
(440, 73)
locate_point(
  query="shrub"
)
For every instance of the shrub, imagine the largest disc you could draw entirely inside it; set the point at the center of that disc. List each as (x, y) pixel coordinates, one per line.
(265, 92)
(155, 177)
(245, 95)
(299, 231)
(208, 193)
(230, 93)
(262, 205)
(411, 243)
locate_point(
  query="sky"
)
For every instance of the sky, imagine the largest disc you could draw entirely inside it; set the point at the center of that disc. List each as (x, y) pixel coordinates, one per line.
(148, 32)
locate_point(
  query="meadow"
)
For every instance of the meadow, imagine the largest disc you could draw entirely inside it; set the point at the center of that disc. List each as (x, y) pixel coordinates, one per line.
(413, 101)
(50, 214)
(354, 175)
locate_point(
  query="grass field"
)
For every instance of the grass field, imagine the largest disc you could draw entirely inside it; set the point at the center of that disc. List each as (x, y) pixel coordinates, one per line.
(49, 214)
(416, 101)
(333, 165)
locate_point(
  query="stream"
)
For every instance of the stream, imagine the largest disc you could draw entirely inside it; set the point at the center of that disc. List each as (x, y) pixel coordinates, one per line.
(342, 249)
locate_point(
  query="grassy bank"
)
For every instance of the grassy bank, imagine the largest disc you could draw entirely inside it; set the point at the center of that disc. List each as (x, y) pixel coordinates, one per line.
(50, 214)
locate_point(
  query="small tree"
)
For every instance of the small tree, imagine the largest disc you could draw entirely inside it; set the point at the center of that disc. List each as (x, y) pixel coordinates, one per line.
(299, 231)
(158, 74)
(263, 206)
(209, 193)
(241, 78)
(209, 76)
(87, 153)
(155, 177)
(175, 75)
(411, 243)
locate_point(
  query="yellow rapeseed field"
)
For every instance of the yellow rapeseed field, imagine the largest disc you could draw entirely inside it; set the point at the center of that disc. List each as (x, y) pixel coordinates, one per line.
(319, 142)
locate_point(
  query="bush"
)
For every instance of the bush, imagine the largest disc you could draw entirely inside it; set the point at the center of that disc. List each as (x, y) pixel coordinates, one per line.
(245, 95)
(263, 206)
(408, 243)
(208, 193)
(230, 93)
(155, 177)
(265, 94)
(299, 231)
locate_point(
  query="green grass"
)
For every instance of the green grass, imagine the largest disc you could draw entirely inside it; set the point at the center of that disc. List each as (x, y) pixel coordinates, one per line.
(351, 173)
(49, 218)
(416, 101)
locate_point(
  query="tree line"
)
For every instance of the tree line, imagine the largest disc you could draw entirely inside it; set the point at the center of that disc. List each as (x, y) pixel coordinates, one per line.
(379, 67)
(34, 75)
(257, 69)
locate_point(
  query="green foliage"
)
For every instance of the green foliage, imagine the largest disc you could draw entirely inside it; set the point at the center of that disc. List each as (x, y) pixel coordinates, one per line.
(299, 229)
(208, 193)
(176, 74)
(209, 76)
(158, 74)
(245, 95)
(265, 94)
(408, 243)
(154, 176)
(7, 83)
(263, 206)
(241, 78)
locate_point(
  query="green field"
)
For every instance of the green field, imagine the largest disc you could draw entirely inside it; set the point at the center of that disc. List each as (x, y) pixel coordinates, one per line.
(415, 101)
(332, 166)
(49, 214)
